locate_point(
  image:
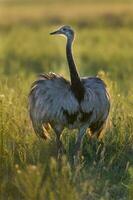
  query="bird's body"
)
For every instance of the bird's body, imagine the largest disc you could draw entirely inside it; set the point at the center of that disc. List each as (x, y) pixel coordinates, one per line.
(52, 101)
(79, 104)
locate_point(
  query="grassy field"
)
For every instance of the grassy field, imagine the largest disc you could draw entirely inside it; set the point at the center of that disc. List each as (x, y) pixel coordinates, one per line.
(104, 47)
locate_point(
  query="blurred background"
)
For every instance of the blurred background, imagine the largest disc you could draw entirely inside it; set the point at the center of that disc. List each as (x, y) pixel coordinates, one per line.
(103, 42)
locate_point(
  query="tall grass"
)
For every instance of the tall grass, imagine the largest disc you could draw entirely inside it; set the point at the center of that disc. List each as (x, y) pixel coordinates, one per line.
(29, 167)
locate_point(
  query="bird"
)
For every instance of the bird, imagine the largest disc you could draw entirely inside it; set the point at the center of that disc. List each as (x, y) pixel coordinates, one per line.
(82, 103)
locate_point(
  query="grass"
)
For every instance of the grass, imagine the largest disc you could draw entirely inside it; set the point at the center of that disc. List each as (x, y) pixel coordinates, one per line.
(83, 14)
(29, 169)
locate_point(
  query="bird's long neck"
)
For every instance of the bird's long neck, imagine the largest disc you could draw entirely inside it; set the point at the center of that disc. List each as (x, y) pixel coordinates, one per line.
(76, 84)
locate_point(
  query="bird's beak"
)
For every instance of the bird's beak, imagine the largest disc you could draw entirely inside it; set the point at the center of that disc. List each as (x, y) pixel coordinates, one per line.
(55, 32)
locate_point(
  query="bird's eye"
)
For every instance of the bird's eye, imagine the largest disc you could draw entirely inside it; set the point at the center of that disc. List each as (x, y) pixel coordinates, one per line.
(64, 29)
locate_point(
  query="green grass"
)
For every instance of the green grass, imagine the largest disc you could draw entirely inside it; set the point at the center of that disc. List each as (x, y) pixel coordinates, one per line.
(83, 14)
(28, 166)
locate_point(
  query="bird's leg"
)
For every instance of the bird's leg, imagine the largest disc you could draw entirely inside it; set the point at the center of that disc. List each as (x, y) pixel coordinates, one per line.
(79, 139)
(60, 148)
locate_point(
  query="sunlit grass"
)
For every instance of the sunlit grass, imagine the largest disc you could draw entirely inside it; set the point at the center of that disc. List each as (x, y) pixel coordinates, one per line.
(29, 167)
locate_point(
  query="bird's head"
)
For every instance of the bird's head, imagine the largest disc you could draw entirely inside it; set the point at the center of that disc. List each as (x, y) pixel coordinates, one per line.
(66, 31)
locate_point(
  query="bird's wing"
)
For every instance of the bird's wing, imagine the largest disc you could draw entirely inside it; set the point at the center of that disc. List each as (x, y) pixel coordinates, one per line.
(50, 97)
(96, 97)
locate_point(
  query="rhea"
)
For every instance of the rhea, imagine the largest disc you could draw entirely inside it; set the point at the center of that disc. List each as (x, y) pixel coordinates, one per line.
(81, 103)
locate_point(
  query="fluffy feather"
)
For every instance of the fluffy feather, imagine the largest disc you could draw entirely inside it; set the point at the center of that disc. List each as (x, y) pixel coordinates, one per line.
(52, 102)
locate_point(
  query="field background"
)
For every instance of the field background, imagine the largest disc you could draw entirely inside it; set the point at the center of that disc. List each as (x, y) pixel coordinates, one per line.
(104, 47)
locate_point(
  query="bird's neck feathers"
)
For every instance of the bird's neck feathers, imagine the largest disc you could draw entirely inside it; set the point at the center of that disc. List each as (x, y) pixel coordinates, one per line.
(76, 84)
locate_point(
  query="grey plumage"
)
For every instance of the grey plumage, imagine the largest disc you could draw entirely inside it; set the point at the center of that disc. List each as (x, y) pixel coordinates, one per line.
(79, 104)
